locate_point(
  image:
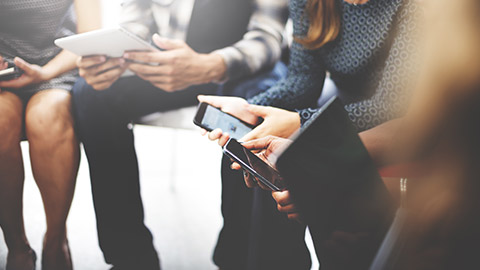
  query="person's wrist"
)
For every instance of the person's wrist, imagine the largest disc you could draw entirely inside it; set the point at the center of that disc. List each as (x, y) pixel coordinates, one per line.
(296, 119)
(46, 74)
(216, 72)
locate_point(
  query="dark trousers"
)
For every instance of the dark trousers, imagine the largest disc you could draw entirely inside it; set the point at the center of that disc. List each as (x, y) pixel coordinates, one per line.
(254, 234)
(103, 119)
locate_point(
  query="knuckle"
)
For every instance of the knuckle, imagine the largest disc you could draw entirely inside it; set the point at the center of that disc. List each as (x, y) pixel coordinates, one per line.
(170, 71)
(172, 59)
(89, 81)
(106, 76)
(282, 201)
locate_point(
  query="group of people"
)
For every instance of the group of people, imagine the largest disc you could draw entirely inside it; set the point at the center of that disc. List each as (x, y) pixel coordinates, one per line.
(410, 99)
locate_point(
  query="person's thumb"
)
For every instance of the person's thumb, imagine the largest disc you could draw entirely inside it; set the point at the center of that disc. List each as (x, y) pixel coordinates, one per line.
(215, 101)
(261, 111)
(167, 44)
(23, 65)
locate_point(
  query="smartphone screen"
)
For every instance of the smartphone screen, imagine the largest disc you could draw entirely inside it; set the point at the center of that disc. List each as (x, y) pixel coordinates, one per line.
(254, 165)
(211, 118)
(10, 73)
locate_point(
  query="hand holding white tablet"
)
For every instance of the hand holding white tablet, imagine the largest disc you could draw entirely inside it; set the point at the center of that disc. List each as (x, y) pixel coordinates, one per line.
(175, 67)
(100, 71)
(107, 44)
(178, 65)
(111, 42)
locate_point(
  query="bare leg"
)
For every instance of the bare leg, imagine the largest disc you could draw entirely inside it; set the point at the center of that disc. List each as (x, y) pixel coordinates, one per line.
(54, 154)
(20, 255)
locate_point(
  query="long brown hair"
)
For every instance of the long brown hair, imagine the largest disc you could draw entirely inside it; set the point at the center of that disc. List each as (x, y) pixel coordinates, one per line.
(324, 19)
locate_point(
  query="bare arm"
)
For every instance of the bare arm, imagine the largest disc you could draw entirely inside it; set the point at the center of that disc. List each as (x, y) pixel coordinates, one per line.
(88, 15)
(88, 18)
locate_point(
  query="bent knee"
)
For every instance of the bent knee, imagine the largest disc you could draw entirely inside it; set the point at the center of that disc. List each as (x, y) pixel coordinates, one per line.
(50, 119)
(11, 115)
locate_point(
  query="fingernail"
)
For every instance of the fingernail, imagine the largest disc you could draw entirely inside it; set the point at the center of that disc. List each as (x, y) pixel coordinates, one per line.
(102, 59)
(121, 61)
(157, 37)
(126, 55)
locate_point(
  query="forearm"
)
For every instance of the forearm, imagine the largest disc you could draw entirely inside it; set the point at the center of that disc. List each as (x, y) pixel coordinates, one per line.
(215, 68)
(379, 142)
(261, 46)
(137, 18)
(302, 86)
(248, 57)
(88, 18)
(61, 63)
(88, 15)
(398, 141)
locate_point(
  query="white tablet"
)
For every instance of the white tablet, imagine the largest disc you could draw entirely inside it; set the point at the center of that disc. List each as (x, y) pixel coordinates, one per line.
(112, 42)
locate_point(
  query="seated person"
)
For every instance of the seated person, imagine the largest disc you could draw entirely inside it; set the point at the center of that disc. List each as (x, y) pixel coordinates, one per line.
(438, 131)
(37, 105)
(369, 67)
(220, 40)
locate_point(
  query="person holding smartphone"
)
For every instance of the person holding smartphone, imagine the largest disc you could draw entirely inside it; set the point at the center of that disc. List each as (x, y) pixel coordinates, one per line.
(36, 105)
(439, 134)
(365, 46)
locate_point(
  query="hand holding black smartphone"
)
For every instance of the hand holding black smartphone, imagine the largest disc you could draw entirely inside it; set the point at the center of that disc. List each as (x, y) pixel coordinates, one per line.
(267, 175)
(210, 118)
(10, 73)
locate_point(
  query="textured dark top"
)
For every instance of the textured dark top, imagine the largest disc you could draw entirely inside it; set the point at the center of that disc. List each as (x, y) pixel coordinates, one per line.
(28, 29)
(368, 62)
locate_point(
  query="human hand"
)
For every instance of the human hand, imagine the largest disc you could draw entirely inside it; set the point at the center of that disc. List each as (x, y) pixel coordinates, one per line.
(286, 205)
(232, 105)
(3, 63)
(265, 149)
(32, 74)
(177, 67)
(99, 71)
(276, 122)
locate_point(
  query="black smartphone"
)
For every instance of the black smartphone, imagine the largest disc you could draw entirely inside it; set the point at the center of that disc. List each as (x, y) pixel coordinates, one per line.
(210, 118)
(254, 165)
(10, 73)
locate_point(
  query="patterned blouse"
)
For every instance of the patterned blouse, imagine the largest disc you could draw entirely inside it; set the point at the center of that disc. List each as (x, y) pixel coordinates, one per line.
(369, 62)
(28, 29)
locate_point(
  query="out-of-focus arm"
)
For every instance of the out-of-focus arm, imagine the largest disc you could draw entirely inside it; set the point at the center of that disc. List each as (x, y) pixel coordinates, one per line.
(88, 14)
(136, 16)
(262, 45)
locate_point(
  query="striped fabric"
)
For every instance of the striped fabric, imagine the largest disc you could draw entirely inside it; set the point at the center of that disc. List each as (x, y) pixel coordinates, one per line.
(260, 47)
